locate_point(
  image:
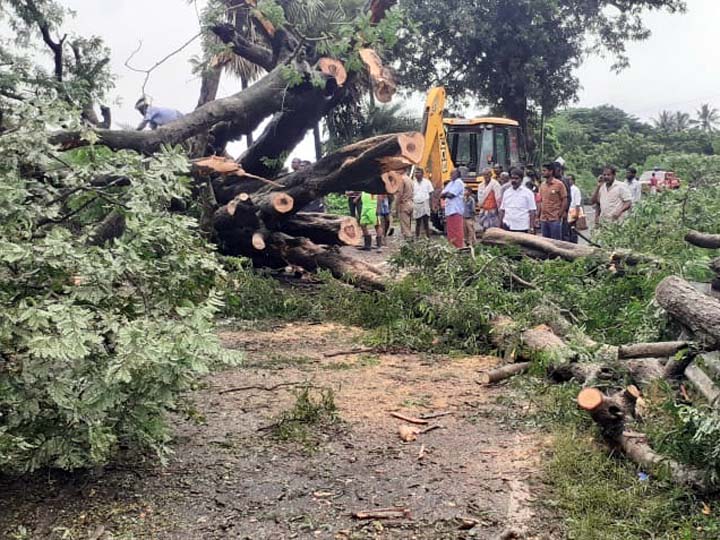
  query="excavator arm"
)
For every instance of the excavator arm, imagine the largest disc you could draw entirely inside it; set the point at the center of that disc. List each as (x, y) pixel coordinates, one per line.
(436, 156)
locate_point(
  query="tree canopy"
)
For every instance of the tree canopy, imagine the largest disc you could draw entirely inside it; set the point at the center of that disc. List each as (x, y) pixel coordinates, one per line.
(517, 55)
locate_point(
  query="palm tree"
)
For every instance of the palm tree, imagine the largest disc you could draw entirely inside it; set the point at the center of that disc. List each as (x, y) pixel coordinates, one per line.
(708, 118)
(665, 122)
(682, 121)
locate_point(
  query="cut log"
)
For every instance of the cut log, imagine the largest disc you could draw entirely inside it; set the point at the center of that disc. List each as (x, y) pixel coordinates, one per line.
(333, 68)
(651, 350)
(411, 146)
(541, 338)
(704, 384)
(703, 240)
(502, 373)
(258, 241)
(696, 311)
(356, 167)
(526, 345)
(323, 228)
(611, 412)
(546, 248)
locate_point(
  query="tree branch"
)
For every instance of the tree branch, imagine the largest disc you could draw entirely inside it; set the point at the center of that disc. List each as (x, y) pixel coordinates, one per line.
(55, 46)
(246, 109)
(257, 54)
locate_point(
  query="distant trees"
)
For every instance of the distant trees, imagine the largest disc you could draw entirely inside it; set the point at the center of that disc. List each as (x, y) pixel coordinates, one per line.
(589, 137)
(706, 120)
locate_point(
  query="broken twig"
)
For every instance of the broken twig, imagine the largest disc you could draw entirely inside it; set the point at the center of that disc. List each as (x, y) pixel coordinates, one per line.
(256, 387)
(383, 513)
(410, 419)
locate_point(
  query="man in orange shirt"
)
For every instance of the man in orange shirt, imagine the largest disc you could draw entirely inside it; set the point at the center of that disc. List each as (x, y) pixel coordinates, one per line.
(553, 203)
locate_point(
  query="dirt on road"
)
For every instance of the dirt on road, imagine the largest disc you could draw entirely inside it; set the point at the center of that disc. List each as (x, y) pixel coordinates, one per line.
(231, 476)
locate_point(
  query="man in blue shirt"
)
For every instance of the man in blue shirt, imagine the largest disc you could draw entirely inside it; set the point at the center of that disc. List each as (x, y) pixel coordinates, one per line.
(454, 208)
(155, 116)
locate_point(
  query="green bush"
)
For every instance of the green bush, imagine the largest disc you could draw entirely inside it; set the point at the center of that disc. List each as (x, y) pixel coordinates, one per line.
(97, 342)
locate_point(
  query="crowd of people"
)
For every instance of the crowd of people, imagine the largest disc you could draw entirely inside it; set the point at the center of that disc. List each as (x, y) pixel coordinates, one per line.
(517, 200)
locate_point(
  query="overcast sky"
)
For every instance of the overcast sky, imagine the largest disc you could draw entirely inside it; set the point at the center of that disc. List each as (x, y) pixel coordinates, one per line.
(675, 69)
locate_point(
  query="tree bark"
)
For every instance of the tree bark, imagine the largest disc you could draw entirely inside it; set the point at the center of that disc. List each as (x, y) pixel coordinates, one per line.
(704, 384)
(611, 413)
(504, 372)
(304, 253)
(696, 311)
(244, 110)
(703, 240)
(582, 373)
(651, 350)
(546, 248)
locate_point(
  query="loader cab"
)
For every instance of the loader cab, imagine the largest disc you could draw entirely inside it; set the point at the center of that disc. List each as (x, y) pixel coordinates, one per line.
(477, 143)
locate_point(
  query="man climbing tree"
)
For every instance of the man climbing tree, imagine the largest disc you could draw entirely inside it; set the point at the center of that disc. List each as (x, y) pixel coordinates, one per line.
(155, 116)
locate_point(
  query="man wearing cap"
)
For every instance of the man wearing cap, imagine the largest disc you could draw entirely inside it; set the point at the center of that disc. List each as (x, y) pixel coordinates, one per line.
(155, 117)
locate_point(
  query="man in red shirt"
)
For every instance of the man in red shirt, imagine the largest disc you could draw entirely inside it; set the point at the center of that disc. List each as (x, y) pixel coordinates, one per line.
(553, 203)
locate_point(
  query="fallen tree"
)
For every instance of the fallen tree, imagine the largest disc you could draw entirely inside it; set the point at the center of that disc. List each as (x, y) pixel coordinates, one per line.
(546, 248)
(258, 218)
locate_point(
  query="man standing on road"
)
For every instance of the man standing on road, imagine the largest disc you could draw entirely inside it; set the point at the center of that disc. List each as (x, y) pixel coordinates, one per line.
(422, 189)
(611, 199)
(454, 208)
(518, 209)
(404, 206)
(489, 195)
(576, 209)
(633, 184)
(553, 203)
(469, 216)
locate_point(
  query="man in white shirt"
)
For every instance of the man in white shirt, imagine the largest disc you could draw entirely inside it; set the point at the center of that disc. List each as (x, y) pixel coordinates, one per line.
(633, 184)
(422, 190)
(612, 199)
(575, 210)
(518, 208)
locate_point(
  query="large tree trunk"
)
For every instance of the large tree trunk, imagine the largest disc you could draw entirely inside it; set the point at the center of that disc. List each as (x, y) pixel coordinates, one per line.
(243, 111)
(696, 311)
